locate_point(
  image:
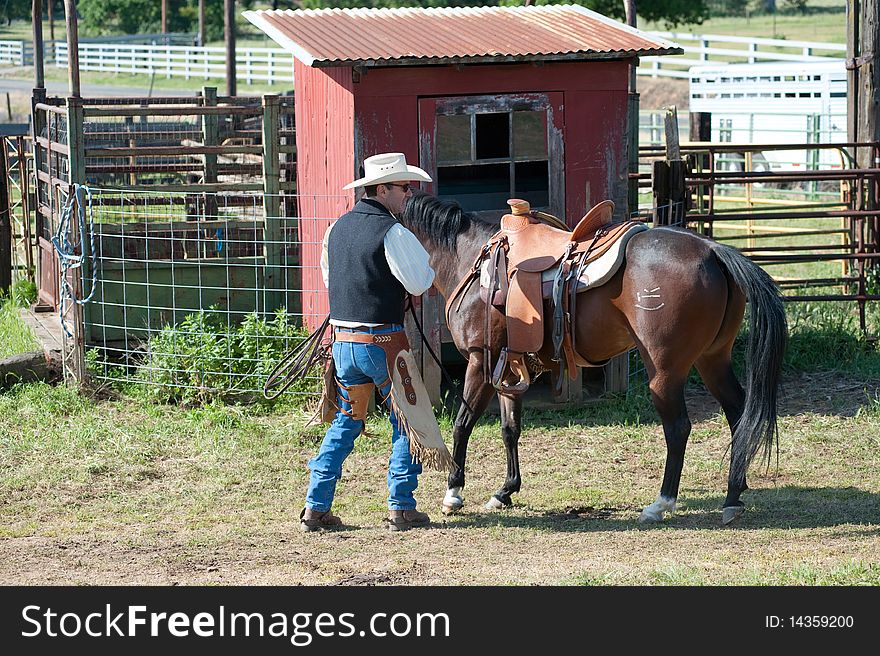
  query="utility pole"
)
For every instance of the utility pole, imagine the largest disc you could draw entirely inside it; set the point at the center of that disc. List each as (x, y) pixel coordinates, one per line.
(863, 75)
(201, 22)
(37, 15)
(229, 27)
(165, 17)
(632, 193)
(72, 47)
(629, 6)
(51, 20)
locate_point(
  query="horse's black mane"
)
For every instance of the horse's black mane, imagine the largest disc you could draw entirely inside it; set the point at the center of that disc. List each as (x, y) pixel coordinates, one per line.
(441, 221)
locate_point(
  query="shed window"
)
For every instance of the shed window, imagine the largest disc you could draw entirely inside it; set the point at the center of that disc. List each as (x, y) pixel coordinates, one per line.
(486, 155)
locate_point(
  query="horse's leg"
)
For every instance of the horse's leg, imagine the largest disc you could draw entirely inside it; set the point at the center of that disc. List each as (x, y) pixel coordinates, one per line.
(511, 427)
(717, 373)
(477, 394)
(667, 392)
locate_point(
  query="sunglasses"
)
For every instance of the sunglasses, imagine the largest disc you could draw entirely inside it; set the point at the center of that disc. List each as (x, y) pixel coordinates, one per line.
(405, 187)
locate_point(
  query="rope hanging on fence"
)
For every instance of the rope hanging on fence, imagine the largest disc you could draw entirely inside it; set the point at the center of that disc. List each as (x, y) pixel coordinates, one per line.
(72, 252)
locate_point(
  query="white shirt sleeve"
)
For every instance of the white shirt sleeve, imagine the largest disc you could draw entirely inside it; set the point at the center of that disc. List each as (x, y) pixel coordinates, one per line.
(325, 258)
(408, 260)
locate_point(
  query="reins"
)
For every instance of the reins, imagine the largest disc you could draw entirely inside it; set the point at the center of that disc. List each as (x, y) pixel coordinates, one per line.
(310, 352)
(427, 345)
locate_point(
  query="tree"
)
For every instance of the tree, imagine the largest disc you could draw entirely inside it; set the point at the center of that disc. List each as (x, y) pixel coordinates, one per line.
(798, 5)
(15, 9)
(101, 17)
(669, 12)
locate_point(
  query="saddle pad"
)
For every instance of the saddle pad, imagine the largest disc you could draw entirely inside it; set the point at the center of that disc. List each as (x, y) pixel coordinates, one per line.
(596, 273)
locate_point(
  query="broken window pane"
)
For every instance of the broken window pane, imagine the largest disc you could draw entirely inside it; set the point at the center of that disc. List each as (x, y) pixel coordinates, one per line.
(493, 135)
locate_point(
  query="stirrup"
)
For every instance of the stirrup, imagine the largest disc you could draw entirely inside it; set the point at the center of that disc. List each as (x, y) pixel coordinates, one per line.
(517, 368)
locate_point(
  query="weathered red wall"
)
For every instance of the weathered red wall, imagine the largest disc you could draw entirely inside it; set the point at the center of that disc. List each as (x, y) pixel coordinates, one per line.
(324, 107)
(595, 98)
(340, 122)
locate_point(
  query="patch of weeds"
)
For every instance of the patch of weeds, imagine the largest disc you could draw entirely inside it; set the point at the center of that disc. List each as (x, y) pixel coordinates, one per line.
(41, 399)
(676, 575)
(15, 336)
(852, 573)
(21, 293)
(872, 406)
(204, 358)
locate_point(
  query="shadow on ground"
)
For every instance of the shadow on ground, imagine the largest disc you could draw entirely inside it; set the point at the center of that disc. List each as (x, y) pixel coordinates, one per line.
(783, 508)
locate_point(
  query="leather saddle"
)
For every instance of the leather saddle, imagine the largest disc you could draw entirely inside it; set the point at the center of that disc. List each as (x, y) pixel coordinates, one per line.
(521, 255)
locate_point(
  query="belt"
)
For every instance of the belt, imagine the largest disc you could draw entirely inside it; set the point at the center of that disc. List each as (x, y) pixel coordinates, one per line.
(367, 338)
(381, 326)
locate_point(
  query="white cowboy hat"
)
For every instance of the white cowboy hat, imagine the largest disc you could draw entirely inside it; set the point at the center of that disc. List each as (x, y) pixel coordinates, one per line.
(388, 167)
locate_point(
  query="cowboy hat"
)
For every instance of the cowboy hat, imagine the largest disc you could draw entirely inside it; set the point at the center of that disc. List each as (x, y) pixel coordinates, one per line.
(388, 167)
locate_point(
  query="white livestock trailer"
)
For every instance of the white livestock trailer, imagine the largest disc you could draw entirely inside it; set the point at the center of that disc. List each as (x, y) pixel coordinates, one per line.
(774, 103)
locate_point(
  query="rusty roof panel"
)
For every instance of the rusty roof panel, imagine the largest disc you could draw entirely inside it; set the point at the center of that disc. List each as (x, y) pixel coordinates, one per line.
(442, 35)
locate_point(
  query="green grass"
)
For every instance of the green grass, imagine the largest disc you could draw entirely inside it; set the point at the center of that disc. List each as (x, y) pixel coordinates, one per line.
(824, 22)
(15, 336)
(223, 484)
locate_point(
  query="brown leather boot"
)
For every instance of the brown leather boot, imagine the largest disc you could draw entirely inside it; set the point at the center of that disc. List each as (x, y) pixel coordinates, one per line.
(403, 520)
(312, 520)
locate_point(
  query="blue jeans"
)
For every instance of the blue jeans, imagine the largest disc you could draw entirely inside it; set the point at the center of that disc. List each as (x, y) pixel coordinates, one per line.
(356, 364)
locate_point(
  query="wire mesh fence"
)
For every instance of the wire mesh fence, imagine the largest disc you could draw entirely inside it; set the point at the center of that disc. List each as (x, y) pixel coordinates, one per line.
(199, 294)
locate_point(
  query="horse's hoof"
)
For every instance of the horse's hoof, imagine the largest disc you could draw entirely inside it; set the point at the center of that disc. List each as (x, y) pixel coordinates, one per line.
(657, 510)
(651, 516)
(494, 503)
(731, 514)
(452, 502)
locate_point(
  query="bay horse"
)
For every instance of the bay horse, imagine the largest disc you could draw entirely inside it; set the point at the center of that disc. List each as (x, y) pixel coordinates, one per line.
(704, 287)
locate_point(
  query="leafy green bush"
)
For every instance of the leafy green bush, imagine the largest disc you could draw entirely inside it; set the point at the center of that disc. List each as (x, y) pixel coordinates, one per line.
(22, 293)
(204, 358)
(825, 335)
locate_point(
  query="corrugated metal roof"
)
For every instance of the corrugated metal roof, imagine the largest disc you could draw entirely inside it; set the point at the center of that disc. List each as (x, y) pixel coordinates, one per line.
(447, 35)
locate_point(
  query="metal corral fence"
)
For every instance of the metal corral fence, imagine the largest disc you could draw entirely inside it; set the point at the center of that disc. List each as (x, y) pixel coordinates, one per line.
(170, 212)
(16, 227)
(816, 231)
(189, 300)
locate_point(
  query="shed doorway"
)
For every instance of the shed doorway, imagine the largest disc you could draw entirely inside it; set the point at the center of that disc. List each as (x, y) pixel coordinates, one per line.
(482, 150)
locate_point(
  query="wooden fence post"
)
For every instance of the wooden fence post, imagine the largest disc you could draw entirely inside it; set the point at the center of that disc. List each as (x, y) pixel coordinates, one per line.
(5, 225)
(273, 234)
(75, 352)
(210, 137)
(701, 131)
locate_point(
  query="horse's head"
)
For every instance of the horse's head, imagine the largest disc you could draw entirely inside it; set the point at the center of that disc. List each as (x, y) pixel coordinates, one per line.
(437, 221)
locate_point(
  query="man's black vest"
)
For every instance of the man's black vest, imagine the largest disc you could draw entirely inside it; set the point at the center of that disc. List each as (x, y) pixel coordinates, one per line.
(361, 285)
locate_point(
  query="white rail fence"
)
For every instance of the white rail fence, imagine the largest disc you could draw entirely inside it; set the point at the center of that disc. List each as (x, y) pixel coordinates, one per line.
(20, 53)
(702, 49)
(269, 65)
(274, 65)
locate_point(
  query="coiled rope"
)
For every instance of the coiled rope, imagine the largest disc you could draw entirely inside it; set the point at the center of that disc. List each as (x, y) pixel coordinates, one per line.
(72, 252)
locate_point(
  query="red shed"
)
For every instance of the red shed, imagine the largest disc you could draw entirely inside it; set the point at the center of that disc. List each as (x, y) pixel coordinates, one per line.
(494, 102)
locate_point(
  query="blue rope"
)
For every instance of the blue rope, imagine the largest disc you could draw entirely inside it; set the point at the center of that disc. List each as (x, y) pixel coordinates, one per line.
(67, 249)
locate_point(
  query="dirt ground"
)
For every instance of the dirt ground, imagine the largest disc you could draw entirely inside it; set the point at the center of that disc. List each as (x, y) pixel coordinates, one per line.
(662, 92)
(796, 518)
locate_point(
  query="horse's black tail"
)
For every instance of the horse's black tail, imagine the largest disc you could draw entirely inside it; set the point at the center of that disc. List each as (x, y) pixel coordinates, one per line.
(768, 333)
